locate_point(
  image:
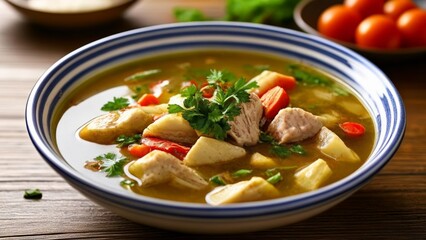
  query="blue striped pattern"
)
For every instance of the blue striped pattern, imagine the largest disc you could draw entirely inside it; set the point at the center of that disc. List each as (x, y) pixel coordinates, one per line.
(377, 92)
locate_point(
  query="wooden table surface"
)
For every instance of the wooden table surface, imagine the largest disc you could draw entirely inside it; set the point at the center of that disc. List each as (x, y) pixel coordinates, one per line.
(391, 206)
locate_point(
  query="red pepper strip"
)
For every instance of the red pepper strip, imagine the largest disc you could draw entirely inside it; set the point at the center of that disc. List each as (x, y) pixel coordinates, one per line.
(352, 129)
(173, 148)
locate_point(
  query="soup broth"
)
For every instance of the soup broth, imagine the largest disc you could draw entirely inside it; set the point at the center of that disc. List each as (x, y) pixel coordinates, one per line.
(165, 76)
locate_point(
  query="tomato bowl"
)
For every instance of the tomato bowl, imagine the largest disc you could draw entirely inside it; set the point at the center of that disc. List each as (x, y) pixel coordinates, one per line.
(371, 86)
(306, 16)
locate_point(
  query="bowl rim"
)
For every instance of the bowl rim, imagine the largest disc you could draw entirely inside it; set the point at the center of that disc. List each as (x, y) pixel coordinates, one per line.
(288, 204)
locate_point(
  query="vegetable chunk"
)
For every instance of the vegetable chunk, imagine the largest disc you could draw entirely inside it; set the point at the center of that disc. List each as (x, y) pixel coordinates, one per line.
(331, 145)
(254, 189)
(268, 80)
(106, 128)
(258, 160)
(314, 175)
(158, 167)
(209, 151)
(172, 127)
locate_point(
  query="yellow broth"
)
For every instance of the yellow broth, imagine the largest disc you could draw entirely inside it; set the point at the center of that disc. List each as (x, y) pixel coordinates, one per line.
(315, 98)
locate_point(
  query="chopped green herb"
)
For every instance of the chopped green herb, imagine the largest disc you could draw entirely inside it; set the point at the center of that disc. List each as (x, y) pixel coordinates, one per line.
(127, 183)
(272, 171)
(278, 149)
(298, 149)
(33, 193)
(110, 164)
(115, 104)
(217, 180)
(311, 78)
(275, 178)
(142, 75)
(241, 173)
(189, 15)
(211, 117)
(140, 90)
(124, 140)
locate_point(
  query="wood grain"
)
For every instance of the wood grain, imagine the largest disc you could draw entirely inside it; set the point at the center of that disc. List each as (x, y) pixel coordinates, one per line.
(392, 206)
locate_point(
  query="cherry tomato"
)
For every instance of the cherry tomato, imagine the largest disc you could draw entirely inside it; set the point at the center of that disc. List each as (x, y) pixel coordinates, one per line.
(394, 8)
(412, 25)
(366, 7)
(378, 31)
(339, 22)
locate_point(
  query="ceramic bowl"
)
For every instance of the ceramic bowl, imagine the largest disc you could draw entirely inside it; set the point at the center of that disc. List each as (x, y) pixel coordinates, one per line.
(306, 16)
(75, 17)
(373, 88)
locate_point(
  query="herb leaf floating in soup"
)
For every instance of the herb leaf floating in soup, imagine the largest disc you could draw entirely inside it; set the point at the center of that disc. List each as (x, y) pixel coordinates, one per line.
(190, 127)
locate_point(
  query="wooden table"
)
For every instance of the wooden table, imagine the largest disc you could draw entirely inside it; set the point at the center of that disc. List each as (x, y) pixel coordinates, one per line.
(392, 206)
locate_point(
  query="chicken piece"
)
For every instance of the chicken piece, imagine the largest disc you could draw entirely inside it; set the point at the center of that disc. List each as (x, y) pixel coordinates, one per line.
(293, 125)
(254, 189)
(331, 145)
(158, 167)
(106, 128)
(314, 175)
(209, 151)
(245, 127)
(172, 127)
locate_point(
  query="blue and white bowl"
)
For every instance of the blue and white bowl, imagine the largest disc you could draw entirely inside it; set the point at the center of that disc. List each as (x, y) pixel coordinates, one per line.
(373, 88)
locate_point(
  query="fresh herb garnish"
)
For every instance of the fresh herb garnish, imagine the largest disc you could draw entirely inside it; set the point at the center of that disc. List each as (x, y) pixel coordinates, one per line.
(142, 75)
(217, 180)
(272, 171)
(311, 78)
(211, 117)
(275, 178)
(124, 140)
(241, 173)
(127, 183)
(116, 104)
(280, 150)
(110, 164)
(33, 193)
(140, 90)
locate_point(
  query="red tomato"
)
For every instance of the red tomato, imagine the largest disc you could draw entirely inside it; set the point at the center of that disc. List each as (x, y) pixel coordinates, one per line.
(339, 22)
(394, 8)
(148, 99)
(412, 25)
(378, 31)
(138, 150)
(366, 8)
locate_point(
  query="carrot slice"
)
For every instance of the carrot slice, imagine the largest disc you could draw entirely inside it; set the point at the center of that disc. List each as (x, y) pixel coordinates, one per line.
(267, 80)
(173, 148)
(273, 101)
(148, 99)
(352, 129)
(138, 150)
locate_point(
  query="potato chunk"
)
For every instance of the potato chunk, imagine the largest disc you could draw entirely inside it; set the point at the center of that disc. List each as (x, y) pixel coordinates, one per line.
(331, 145)
(106, 128)
(254, 189)
(209, 151)
(172, 127)
(258, 160)
(314, 175)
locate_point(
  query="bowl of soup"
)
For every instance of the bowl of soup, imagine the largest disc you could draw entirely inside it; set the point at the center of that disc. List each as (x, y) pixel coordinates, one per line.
(215, 127)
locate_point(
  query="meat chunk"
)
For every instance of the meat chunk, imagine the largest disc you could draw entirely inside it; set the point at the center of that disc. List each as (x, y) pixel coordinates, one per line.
(106, 128)
(158, 167)
(293, 125)
(245, 127)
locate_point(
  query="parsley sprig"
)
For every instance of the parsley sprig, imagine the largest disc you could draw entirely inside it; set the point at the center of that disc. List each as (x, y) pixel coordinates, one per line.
(115, 104)
(111, 164)
(211, 116)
